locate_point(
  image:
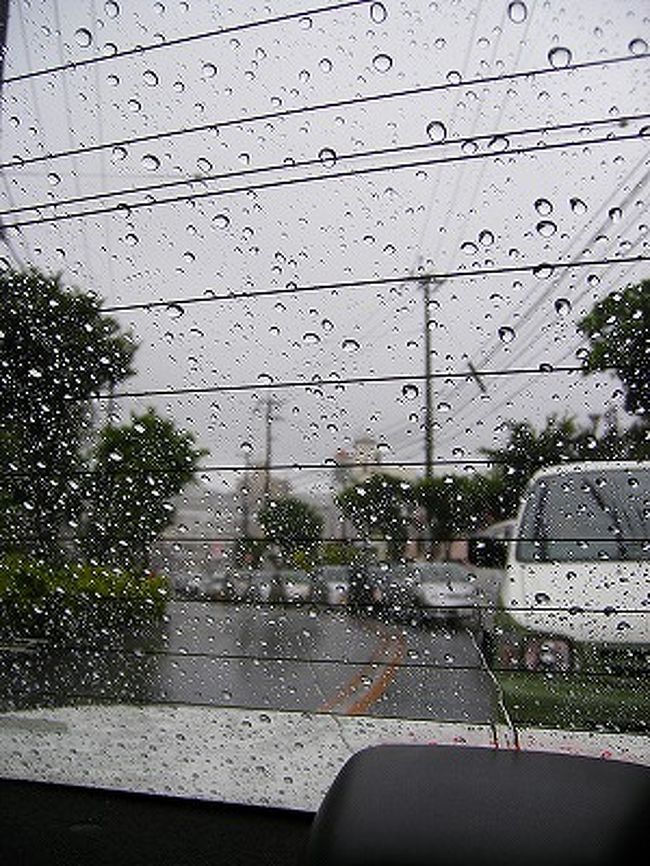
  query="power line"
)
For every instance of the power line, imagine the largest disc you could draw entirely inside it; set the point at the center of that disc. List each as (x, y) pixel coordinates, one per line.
(126, 208)
(319, 161)
(18, 162)
(540, 269)
(406, 379)
(139, 50)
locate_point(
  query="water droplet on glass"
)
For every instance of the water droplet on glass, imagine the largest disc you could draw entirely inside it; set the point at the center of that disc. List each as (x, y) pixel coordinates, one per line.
(559, 57)
(111, 9)
(382, 62)
(118, 153)
(150, 162)
(562, 306)
(546, 228)
(506, 334)
(53, 178)
(221, 221)
(310, 338)
(454, 76)
(486, 238)
(638, 46)
(246, 447)
(577, 206)
(444, 407)
(378, 13)
(327, 156)
(325, 64)
(517, 12)
(469, 247)
(203, 164)
(436, 131)
(327, 325)
(83, 37)
(615, 214)
(150, 78)
(174, 311)
(350, 345)
(543, 271)
(543, 206)
(498, 143)
(410, 392)
(131, 239)
(209, 70)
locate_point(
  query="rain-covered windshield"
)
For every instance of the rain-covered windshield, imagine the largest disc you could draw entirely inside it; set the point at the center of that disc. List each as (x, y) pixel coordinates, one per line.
(295, 299)
(603, 515)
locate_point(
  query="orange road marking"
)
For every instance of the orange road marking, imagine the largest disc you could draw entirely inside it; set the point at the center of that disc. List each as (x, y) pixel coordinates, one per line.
(380, 685)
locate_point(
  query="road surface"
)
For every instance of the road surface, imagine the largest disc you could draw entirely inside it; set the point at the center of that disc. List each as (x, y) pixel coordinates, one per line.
(288, 658)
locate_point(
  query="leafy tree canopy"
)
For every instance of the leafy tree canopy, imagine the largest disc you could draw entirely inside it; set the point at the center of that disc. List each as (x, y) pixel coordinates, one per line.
(378, 508)
(137, 469)
(618, 330)
(291, 524)
(57, 349)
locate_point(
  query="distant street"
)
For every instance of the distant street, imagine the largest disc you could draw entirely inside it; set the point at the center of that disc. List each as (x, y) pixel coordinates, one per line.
(284, 657)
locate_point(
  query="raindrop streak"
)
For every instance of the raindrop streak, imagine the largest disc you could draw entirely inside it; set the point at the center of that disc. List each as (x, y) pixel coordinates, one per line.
(327, 156)
(506, 334)
(517, 12)
(562, 306)
(382, 62)
(559, 57)
(436, 131)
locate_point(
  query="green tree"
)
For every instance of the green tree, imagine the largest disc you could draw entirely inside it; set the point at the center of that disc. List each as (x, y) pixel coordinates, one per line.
(137, 470)
(57, 349)
(528, 450)
(456, 505)
(379, 509)
(618, 330)
(292, 525)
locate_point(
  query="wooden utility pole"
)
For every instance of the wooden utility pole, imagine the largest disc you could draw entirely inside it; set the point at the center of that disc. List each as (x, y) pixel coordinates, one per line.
(428, 387)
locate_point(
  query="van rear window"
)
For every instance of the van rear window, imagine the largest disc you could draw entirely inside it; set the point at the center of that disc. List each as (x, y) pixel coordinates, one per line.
(590, 516)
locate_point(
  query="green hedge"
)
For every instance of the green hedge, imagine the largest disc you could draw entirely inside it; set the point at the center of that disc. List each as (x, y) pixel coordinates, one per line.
(27, 584)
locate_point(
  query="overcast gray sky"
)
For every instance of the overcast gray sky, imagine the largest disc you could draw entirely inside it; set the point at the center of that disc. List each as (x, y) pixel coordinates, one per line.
(577, 196)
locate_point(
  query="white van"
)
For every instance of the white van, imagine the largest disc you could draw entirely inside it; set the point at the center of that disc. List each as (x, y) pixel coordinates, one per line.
(575, 598)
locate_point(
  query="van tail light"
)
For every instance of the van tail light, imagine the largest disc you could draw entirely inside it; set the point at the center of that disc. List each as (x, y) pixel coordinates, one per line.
(546, 654)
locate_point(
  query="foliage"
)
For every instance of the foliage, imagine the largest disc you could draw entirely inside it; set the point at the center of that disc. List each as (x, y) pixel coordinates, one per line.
(292, 525)
(618, 330)
(456, 505)
(26, 582)
(528, 450)
(378, 509)
(338, 553)
(57, 349)
(249, 551)
(137, 469)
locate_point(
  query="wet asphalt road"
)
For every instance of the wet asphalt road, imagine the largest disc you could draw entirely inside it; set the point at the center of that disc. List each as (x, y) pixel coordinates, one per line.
(277, 657)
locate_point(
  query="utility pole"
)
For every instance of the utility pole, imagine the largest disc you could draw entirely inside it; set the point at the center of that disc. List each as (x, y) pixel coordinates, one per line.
(425, 282)
(271, 404)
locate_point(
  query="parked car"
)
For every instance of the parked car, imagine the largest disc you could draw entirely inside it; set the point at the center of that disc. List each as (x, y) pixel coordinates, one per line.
(331, 584)
(447, 592)
(295, 585)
